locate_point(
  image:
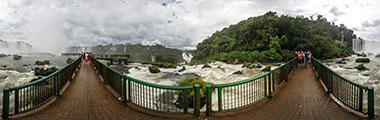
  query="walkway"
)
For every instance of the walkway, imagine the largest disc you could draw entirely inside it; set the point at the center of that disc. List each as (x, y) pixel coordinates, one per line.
(86, 98)
(302, 98)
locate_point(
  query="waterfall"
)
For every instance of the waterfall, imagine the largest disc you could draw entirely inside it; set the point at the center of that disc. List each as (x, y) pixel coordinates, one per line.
(187, 56)
(358, 45)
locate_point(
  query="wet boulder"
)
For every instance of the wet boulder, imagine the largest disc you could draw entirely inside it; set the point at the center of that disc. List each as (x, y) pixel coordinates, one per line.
(69, 60)
(237, 73)
(363, 60)
(154, 69)
(206, 66)
(3, 55)
(342, 61)
(266, 69)
(361, 55)
(182, 69)
(17, 57)
(39, 71)
(361, 67)
(45, 62)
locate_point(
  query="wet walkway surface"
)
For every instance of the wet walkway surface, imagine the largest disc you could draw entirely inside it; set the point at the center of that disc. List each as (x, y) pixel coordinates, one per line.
(301, 98)
(86, 98)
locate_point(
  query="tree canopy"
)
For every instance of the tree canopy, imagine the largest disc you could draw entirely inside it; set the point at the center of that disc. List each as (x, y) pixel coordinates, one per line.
(271, 37)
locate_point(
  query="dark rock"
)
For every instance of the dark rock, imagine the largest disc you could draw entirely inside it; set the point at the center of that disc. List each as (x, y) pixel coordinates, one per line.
(17, 57)
(361, 55)
(69, 60)
(266, 69)
(3, 55)
(190, 101)
(45, 62)
(44, 71)
(220, 67)
(363, 60)
(342, 61)
(377, 56)
(154, 69)
(206, 66)
(361, 67)
(237, 73)
(183, 69)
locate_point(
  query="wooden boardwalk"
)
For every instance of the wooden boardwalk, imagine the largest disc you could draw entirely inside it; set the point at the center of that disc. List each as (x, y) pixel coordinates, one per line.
(86, 98)
(301, 98)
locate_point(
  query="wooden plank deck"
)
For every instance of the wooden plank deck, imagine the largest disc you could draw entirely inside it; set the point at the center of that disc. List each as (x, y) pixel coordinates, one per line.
(301, 98)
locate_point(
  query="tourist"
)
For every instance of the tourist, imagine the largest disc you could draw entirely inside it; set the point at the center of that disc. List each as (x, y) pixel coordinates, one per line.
(299, 57)
(309, 56)
(306, 58)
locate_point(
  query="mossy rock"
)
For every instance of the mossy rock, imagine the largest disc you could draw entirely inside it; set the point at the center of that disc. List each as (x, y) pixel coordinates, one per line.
(154, 69)
(361, 55)
(361, 67)
(363, 60)
(69, 60)
(206, 66)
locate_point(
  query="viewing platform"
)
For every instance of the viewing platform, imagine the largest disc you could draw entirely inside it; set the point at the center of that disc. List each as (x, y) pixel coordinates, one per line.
(85, 91)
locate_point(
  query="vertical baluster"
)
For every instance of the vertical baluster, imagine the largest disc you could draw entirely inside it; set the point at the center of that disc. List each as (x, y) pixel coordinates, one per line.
(220, 98)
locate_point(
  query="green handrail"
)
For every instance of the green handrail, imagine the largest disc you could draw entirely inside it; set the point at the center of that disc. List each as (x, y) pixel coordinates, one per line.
(346, 91)
(149, 95)
(34, 94)
(250, 91)
(161, 97)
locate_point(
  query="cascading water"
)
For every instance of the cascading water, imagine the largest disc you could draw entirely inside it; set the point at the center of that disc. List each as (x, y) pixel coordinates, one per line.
(187, 56)
(370, 77)
(357, 45)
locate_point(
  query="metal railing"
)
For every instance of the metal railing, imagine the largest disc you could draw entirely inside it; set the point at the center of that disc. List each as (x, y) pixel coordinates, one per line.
(180, 98)
(29, 96)
(349, 93)
(246, 92)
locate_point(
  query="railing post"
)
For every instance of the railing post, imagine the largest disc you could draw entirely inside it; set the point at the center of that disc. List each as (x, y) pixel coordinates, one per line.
(5, 104)
(197, 95)
(17, 99)
(129, 90)
(371, 103)
(209, 100)
(270, 87)
(123, 85)
(220, 99)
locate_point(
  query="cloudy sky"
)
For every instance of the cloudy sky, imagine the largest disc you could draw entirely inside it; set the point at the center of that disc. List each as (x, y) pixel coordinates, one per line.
(54, 24)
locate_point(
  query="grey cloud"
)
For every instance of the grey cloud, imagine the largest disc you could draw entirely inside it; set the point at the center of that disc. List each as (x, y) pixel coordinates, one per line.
(375, 23)
(334, 10)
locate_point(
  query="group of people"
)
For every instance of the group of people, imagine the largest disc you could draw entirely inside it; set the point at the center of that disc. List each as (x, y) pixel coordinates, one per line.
(303, 57)
(86, 56)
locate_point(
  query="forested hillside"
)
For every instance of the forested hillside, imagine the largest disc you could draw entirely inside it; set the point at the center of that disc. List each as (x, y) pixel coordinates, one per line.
(271, 37)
